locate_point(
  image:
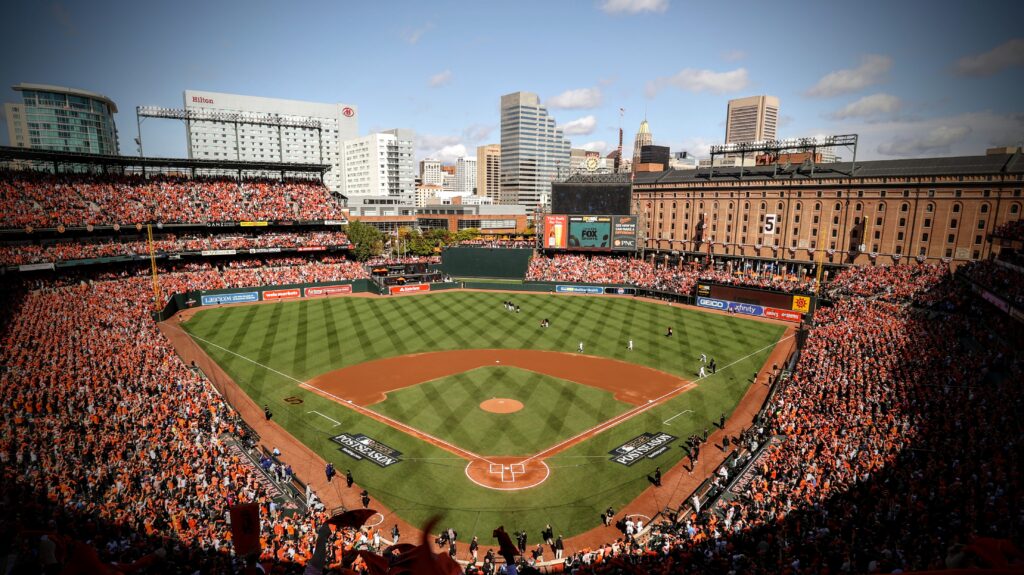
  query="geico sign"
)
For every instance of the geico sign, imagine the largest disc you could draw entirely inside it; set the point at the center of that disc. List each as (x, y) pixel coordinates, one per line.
(711, 303)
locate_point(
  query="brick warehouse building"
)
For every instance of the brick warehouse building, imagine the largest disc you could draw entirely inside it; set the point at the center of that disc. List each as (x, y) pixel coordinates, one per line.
(930, 209)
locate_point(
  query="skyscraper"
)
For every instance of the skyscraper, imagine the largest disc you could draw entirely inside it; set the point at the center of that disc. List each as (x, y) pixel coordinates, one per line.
(488, 171)
(533, 151)
(380, 164)
(62, 119)
(643, 138)
(751, 119)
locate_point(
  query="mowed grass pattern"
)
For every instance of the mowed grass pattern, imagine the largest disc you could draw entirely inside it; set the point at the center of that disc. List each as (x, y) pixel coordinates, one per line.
(553, 410)
(304, 338)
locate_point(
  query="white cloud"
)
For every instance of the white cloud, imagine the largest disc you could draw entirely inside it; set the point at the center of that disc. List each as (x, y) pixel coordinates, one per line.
(440, 79)
(937, 140)
(580, 127)
(579, 99)
(733, 55)
(871, 71)
(448, 154)
(475, 133)
(448, 148)
(633, 6)
(600, 146)
(413, 36)
(871, 106)
(967, 134)
(693, 80)
(1009, 54)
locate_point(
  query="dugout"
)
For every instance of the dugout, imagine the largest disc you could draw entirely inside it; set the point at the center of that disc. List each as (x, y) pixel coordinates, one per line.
(505, 263)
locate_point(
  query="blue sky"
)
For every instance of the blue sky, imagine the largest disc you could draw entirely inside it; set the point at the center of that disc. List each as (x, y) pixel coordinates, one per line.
(913, 78)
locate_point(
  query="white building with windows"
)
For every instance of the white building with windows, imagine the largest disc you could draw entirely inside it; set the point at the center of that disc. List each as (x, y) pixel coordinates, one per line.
(227, 135)
(380, 164)
(465, 175)
(430, 172)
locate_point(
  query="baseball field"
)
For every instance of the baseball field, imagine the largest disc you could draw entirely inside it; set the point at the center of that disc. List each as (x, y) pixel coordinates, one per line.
(447, 403)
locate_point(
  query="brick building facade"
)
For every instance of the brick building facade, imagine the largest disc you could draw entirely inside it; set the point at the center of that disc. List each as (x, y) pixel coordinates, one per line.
(931, 209)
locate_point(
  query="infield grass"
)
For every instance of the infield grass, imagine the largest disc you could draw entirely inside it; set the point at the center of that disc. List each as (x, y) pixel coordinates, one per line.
(269, 348)
(553, 410)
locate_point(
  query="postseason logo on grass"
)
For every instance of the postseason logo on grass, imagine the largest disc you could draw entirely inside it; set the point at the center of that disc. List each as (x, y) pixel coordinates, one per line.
(363, 447)
(649, 445)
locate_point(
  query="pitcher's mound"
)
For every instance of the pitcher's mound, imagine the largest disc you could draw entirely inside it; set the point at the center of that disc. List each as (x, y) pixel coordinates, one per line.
(501, 405)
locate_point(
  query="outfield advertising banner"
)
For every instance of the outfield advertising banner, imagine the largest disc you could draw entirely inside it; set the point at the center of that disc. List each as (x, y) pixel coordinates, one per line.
(619, 291)
(590, 232)
(704, 290)
(409, 289)
(579, 289)
(745, 308)
(361, 447)
(555, 232)
(801, 303)
(274, 294)
(326, 290)
(222, 298)
(648, 445)
(783, 314)
(713, 303)
(624, 233)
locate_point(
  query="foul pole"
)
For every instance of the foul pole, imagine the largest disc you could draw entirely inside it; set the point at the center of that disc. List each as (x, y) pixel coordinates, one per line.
(152, 263)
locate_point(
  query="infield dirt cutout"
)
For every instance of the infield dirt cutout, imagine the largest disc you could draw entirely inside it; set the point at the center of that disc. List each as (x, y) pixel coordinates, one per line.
(364, 384)
(501, 405)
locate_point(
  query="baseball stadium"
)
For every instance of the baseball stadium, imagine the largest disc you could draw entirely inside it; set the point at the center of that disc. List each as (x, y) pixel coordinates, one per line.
(208, 369)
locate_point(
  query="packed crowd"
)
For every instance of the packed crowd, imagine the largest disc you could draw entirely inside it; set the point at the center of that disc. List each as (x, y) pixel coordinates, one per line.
(1004, 281)
(789, 283)
(1013, 231)
(529, 243)
(880, 461)
(29, 199)
(888, 283)
(14, 254)
(644, 274)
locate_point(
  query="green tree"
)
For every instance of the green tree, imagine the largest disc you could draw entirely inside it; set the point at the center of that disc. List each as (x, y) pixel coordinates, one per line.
(368, 240)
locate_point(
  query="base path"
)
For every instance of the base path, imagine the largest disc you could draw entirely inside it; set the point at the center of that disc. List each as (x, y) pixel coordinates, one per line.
(369, 382)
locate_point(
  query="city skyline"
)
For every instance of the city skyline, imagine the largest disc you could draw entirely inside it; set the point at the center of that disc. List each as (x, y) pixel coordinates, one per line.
(912, 79)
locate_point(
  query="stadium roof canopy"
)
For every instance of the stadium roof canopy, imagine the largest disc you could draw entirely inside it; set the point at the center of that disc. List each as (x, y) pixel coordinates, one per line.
(8, 154)
(954, 166)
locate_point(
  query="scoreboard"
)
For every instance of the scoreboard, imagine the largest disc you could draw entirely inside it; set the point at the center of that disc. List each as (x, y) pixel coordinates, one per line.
(589, 233)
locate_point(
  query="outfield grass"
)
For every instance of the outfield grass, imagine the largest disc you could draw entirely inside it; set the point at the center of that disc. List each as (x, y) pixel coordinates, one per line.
(304, 338)
(553, 410)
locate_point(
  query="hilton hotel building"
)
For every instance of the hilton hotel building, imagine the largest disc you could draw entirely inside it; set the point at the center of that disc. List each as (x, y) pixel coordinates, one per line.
(226, 140)
(881, 212)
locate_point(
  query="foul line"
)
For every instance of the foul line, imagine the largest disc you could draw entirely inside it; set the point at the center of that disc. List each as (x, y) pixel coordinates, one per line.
(683, 412)
(368, 412)
(642, 408)
(336, 422)
(266, 367)
(463, 452)
(396, 424)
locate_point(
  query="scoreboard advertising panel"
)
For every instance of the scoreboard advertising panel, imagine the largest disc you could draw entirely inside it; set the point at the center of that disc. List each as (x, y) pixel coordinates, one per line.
(590, 233)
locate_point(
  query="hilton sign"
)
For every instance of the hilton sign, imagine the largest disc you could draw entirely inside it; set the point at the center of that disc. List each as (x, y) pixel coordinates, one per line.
(201, 100)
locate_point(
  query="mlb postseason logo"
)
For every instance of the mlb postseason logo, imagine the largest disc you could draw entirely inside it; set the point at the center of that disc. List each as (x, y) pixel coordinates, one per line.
(649, 445)
(363, 447)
